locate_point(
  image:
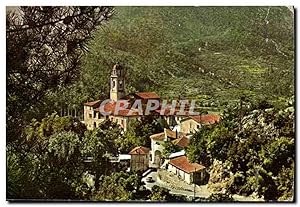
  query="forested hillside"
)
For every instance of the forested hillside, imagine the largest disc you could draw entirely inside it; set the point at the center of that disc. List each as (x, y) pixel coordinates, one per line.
(213, 54)
(252, 151)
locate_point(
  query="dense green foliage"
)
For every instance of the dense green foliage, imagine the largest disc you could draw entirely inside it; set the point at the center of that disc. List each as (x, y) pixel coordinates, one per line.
(219, 197)
(138, 134)
(121, 187)
(163, 194)
(53, 163)
(212, 54)
(258, 155)
(50, 164)
(44, 47)
(169, 148)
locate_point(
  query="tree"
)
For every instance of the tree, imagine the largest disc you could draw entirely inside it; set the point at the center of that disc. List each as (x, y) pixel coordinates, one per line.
(45, 157)
(139, 132)
(44, 46)
(50, 164)
(163, 194)
(197, 151)
(62, 166)
(50, 173)
(20, 184)
(48, 161)
(121, 186)
(219, 197)
(286, 182)
(169, 148)
(99, 144)
(37, 133)
(160, 193)
(221, 139)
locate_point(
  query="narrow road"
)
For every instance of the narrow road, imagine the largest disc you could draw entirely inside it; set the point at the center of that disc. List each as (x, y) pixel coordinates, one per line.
(189, 193)
(149, 186)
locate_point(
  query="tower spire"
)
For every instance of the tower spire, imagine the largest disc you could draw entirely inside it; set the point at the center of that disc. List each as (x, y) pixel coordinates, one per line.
(117, 82)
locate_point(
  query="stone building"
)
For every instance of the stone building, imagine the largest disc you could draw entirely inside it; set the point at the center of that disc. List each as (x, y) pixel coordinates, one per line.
(191, 124)
(139, 158)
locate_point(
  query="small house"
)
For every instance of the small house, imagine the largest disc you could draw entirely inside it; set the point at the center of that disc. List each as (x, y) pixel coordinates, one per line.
(187, 171)
(139, 158)
(192, 124)
(157, 141)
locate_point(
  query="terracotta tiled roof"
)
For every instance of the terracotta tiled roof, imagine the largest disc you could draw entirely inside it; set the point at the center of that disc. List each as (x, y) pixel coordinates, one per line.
(127, 112)
(147, 95)
(158, 137)
(139, 151)
(207, 118)
(167, 133)
(93, 103)
(183, 163)
(181, 142)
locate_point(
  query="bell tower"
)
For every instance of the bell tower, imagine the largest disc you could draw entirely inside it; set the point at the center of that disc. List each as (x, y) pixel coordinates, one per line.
(117, 83)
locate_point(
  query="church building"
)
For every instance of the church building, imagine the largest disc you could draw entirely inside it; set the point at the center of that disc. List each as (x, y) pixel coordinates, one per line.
(92, 116)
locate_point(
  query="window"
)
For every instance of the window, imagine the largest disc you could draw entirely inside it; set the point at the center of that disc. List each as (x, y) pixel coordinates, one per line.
(90, 116)
(114, 84)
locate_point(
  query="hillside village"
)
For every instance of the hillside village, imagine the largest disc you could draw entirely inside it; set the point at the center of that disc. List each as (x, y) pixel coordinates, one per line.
(181, 127)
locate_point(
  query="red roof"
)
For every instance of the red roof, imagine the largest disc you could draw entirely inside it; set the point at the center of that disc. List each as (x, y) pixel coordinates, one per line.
(93, 103)
(207, 118)
(139, 151)
(183, 163)
(181, 142)
(147, 95)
